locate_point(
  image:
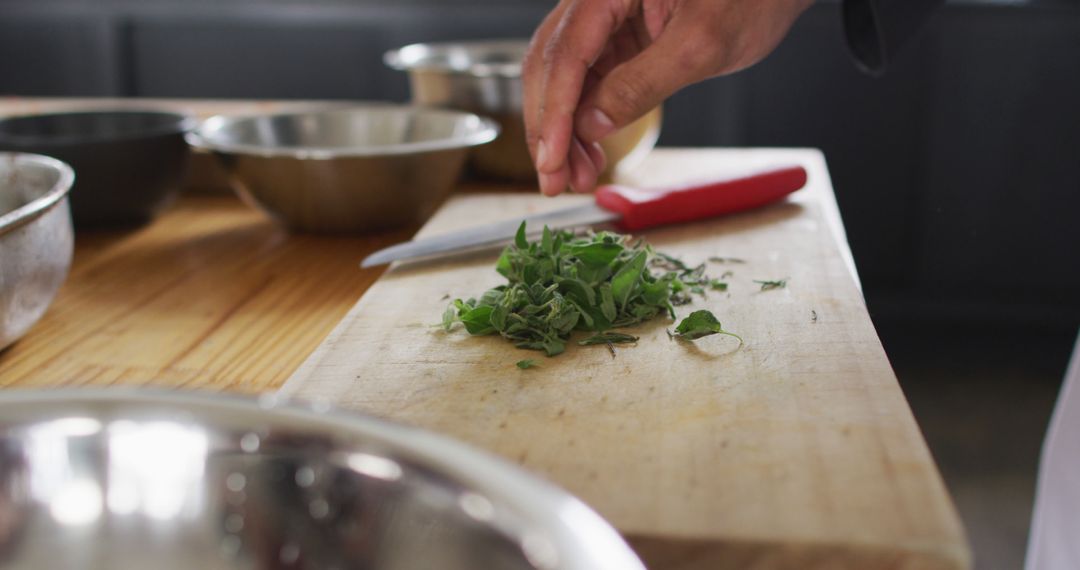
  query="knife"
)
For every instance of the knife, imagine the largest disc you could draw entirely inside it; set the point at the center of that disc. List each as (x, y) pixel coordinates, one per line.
(630, 209)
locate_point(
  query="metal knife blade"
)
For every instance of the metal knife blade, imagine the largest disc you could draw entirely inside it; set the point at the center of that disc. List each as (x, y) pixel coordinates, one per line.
(491, 234)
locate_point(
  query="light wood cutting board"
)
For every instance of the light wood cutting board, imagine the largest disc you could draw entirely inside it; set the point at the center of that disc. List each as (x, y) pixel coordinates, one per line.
(795, 450)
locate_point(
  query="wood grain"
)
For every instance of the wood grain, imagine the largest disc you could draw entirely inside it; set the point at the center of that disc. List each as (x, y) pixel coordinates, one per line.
(795, 450)
(212, 295)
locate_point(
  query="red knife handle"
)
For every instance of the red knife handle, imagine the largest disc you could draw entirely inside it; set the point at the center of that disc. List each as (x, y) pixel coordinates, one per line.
(641, 209)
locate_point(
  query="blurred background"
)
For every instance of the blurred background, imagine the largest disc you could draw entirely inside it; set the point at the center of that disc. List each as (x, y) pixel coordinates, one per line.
(958, 173)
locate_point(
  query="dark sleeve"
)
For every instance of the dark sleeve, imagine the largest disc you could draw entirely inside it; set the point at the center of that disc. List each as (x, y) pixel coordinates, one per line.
(877, 29)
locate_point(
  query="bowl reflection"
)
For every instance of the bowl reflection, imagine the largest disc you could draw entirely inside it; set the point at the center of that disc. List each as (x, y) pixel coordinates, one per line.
(136, 479)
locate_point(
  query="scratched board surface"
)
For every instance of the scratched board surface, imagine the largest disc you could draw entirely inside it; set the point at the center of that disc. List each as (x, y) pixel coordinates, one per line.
(795, 449)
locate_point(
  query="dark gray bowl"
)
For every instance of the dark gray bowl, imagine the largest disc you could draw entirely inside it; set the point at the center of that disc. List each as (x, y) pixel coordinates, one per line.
(128, 164)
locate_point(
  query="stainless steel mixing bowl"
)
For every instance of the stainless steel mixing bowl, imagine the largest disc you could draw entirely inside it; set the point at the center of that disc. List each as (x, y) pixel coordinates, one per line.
(345, 170)
(485, 77)
(135, 479)
(35, 239)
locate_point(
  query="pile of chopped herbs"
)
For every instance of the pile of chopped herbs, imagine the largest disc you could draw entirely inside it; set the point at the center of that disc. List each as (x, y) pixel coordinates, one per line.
(594, 283)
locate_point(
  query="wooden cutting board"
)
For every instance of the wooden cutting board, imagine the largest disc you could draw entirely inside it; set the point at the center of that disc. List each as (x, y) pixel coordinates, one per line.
(795, 450)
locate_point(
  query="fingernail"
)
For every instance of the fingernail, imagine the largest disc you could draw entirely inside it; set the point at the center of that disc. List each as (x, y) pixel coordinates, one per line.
(546, 187)
(596, 125)
(598, 156)
(582, 169)
(541, 155)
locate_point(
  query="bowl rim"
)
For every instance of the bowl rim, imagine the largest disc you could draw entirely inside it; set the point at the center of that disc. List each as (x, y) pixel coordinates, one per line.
(201, 137)
(181, 123)
(14, 219)
(400, 59)
(574, 528)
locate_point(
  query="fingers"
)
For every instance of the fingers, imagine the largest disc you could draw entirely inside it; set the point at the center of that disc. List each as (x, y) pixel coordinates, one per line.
(533, 85)
(636, 86)
(577, 41)
(554, 183)
(638, 54)
(532, 74)
(596, 153)
(583, 172)
(584, 164)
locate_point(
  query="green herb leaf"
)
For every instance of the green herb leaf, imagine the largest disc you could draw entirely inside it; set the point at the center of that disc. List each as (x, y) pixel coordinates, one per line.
(503, 264)
(608, 338)
(665, 261)
(597, 254)
(449, 316)
(554, 346)
(700, 324)
(629, 275)
(774, 284)
(478, 321)
(577, 290)
(607, 302)
(547, 242)
(519, 239)
(526, 364)
(718, 285)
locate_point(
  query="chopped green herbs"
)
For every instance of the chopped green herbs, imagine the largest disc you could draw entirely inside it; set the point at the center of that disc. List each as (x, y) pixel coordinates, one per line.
(665, 261)
(608, 338)
(563, 283)
(774, 284)
(449, 316)
(526, 364)
(718, 259)
(700, 324)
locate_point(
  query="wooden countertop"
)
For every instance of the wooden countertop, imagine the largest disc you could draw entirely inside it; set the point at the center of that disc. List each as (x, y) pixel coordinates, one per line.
(210, 295)
(213, 295)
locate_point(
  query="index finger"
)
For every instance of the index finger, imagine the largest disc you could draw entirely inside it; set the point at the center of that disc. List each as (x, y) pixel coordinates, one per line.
(532, 74)
(578, 40)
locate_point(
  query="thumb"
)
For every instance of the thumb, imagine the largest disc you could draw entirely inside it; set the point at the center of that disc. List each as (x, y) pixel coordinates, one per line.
(632, 89)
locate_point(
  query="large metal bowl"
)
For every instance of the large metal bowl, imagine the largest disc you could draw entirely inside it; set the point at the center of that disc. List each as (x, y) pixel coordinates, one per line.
(345, 170)
(131, 163)
(127, 480)
(35, 239)
(485, 77)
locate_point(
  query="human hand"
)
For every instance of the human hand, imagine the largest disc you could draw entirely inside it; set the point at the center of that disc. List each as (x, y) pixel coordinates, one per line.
(594, 66)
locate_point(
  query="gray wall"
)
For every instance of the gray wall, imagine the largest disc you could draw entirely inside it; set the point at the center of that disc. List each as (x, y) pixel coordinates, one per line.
(958, 173)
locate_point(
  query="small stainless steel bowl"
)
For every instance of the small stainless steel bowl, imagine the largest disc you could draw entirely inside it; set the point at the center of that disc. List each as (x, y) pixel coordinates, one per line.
(131, 163)
(133, 479)
(35, 239)
(345, 170)
(485, 77)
